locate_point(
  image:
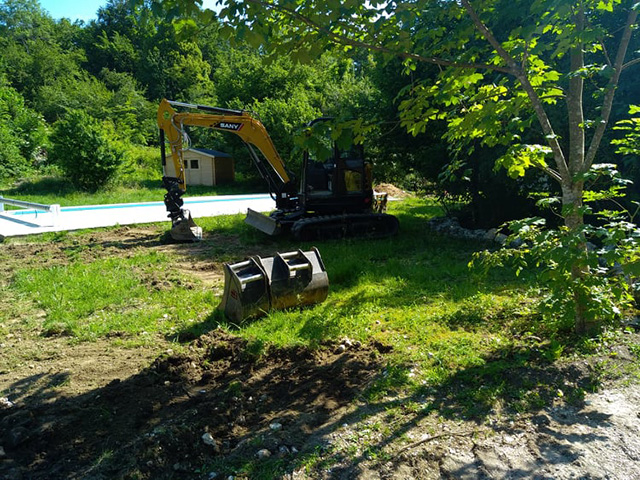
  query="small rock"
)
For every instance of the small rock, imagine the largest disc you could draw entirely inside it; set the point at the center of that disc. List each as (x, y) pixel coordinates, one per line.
(284, 450)
(500, 238)
(180, 467)
(2, 452)
(491, 234)
(262, 454)
(541, 420)
(5, 403)
(275, 426)
(294, 450)
(209, 440)
(341, 348)
(212, 475)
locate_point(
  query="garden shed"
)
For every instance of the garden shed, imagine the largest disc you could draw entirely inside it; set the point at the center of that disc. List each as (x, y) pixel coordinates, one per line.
(205, 167)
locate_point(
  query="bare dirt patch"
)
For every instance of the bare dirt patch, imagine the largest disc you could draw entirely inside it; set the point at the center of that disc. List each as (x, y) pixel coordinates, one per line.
(391, 190)
(151, 424)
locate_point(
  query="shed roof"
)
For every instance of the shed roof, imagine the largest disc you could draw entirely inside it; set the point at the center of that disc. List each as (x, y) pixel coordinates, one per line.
(211, 153)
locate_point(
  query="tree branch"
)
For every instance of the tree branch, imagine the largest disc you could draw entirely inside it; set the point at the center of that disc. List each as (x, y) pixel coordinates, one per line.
(551, 172)
(631, 63)
(607, 103)
(344, 40)
(521, 75)
(575, 110)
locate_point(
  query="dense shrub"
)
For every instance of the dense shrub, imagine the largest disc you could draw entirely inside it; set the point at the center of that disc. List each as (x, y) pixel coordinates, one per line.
(22, 133)
(84, 150)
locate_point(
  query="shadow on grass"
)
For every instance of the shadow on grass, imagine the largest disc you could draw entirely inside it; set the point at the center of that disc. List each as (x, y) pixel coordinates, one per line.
(42, 186)
(248, 398)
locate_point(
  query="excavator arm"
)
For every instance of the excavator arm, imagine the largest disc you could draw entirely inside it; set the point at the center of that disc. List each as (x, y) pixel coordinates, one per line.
(172, 131)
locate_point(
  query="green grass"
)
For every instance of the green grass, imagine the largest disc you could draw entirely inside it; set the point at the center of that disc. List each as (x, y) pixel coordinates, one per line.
(414, 292)
(58, 190)
(131, 295)
(461, 343)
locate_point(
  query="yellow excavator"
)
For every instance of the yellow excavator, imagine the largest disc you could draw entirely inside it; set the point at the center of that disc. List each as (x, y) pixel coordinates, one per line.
(335, 198)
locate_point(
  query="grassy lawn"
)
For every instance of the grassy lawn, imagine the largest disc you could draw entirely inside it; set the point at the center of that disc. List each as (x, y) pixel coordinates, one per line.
(414, 292)
(458, 347)
(57, 190)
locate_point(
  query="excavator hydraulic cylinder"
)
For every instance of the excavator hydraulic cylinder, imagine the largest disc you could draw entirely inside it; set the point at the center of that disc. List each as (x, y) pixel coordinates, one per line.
(257, 285)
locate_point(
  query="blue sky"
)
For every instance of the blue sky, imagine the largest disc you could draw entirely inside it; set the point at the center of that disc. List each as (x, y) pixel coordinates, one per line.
(83, 9)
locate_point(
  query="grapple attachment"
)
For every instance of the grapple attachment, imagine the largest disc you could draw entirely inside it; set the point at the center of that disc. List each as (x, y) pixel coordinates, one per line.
(256, 285)
(185, 229)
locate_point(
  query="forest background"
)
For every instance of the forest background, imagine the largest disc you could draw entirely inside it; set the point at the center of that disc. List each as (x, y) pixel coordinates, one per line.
(98, 83)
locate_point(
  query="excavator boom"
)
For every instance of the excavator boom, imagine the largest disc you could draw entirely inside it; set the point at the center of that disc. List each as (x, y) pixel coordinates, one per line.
(172, 132)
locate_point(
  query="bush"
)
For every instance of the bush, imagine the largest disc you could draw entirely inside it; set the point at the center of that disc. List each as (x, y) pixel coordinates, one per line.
(85, 151)
(589, 272)
(22, 133)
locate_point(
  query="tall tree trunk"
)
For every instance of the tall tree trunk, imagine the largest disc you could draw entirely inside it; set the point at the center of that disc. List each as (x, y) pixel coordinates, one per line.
(574, 220)
(572, 189)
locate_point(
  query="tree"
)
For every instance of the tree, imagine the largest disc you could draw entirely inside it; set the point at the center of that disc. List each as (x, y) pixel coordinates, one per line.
(505, 65)
(22, 132)
(85, 151)
(34, 49)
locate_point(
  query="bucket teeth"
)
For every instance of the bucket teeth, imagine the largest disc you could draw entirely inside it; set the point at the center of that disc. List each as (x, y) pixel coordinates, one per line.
(257, 285)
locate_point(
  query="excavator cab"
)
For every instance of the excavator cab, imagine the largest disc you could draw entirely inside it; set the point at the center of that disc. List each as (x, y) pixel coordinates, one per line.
(339, 184)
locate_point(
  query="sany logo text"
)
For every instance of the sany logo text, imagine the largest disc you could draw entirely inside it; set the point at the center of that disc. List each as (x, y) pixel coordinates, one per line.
(230, 126)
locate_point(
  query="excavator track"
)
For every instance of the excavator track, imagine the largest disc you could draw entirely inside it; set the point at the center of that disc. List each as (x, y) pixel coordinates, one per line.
(357, 225)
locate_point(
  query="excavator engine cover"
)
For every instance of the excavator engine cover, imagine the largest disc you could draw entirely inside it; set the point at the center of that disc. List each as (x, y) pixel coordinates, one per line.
(257, 285)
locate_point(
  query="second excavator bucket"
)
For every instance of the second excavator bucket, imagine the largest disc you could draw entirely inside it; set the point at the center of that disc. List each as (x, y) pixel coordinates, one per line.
(257, 285)
(186, 230)
(262, 222)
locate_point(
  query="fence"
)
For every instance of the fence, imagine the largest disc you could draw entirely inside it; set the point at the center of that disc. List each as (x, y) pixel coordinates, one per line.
(53, 209)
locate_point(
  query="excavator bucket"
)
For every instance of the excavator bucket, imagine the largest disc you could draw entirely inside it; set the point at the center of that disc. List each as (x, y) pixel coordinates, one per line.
(263, 223)
(186, 230)
(257, 285)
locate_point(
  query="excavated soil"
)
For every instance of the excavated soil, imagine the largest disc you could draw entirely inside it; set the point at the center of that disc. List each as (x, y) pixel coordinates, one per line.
(98, 410)
(391, 190)
(151, 424)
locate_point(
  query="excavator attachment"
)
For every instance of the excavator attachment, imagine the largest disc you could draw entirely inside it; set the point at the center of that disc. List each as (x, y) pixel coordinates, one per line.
(185, 229)
(257, 285)
(263, 223)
